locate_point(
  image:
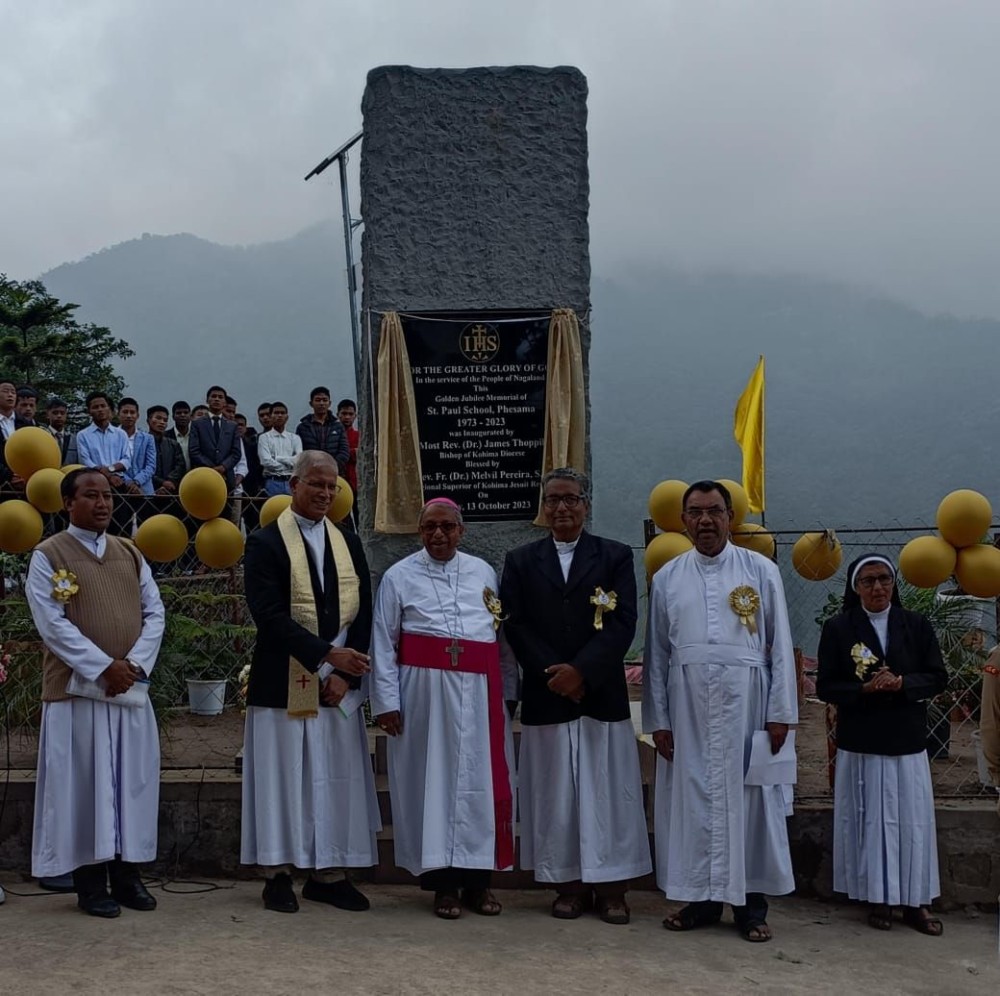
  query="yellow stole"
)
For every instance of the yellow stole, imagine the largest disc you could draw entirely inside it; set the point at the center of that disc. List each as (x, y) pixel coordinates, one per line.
(303, 684)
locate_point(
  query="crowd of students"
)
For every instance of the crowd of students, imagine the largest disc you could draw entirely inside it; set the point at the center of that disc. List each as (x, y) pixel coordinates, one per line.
(144, 465)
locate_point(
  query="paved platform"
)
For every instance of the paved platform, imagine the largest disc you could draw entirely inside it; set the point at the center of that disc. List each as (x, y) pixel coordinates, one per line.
(224, 942)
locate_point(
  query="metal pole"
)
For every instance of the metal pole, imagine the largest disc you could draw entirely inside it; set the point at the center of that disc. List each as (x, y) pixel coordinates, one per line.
(349, 254)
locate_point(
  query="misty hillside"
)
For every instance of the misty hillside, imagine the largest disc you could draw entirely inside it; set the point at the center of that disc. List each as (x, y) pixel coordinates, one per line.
(874, 409)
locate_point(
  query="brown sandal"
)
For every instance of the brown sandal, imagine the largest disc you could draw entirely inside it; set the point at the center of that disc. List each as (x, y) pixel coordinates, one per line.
(613, 910)
(880, 917)
(447, 906)
(920, 918)
(481, 901)
(694, 915)
(570, 906)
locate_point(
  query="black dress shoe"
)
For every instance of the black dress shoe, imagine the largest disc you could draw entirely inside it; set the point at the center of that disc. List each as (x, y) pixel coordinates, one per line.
(134, 895)
(278, 894)
(99, 904)
(57, 883)
(341, 894)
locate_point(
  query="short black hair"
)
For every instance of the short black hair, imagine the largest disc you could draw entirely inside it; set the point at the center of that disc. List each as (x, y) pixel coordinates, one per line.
(200, 408)
(27, 391)
(278, 404)
(265, 406)
(180, 404)
(7, 380)
(319, 390)
(216, 387)
(347, 403)
(704, 487)
(230, 400)
(128, 401)
(55, 403)
(240, 415)
(68, 485)
(94, 395)
(153, 409)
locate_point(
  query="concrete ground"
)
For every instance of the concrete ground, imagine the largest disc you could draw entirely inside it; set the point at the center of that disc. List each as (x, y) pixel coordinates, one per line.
(224, 942)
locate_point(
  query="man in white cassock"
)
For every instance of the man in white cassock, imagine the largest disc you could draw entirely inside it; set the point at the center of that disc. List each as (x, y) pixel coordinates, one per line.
(98, 611)
(440, 677)
(570, 604)
(308, 787)
(719, 667)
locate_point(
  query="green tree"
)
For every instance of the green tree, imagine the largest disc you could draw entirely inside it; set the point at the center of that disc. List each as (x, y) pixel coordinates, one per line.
(42, 344)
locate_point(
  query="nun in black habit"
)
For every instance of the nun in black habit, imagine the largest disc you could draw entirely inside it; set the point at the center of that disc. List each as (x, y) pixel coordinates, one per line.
(879, 664)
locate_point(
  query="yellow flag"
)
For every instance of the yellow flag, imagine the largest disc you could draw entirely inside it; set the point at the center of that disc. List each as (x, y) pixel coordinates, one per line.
(748, 428)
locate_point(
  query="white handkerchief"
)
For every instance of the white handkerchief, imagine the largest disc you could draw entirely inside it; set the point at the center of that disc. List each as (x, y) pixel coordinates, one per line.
(771, 769)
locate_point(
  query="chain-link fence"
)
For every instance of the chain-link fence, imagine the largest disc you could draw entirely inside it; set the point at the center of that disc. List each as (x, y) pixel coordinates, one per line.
(966, 629)
(196, 688)
(209, 639)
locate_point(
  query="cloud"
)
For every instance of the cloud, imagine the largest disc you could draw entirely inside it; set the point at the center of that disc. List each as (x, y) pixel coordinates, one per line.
(851, 138)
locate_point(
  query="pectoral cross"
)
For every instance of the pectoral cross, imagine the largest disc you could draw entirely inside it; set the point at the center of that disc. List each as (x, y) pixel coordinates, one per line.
(454, 649)
(303, 680)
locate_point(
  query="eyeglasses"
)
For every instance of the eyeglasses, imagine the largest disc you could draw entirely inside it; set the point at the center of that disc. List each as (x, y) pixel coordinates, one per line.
(868, 583)
(430, 528)
(570, 501)
(321, 486)
(715, 512)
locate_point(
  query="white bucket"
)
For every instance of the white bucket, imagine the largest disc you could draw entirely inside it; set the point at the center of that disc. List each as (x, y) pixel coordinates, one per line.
(206, 698)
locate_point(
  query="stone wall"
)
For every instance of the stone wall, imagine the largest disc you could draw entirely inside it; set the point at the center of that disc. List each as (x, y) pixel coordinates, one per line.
(474, 195)
(199, 834)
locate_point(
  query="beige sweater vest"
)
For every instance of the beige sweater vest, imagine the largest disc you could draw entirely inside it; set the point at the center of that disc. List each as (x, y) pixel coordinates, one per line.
(107, 609)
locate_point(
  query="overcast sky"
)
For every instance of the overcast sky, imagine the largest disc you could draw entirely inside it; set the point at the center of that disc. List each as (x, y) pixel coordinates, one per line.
(856, 139)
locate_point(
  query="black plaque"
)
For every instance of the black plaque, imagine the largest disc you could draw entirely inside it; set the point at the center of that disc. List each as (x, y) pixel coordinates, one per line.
(480, 395)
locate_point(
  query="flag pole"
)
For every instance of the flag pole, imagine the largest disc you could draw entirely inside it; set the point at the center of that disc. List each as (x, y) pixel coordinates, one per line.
(763, 433)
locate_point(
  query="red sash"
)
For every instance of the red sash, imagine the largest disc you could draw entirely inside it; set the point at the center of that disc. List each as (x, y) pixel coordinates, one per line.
(470, 657)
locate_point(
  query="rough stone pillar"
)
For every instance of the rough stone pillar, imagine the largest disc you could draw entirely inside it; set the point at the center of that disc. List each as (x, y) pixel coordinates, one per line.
(474, 195)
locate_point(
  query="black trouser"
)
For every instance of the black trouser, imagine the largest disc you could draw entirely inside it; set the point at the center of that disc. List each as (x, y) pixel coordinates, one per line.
(754, 910)
(450, 880)
(603, 890)
(91, 880)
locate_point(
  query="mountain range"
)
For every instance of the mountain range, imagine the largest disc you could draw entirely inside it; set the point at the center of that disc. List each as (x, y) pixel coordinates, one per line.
(875, 410)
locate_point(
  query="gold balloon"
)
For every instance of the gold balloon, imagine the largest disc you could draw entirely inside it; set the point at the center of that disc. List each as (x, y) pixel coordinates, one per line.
(963, 517)
(927, 561)
(343, 502)
(978, 571)
(665, 505)
(72, 466)
(31, 448)
(753, 536)
(203, 493)
(162, 538)
(218, 543)
(272, 508)
(741, 504)
(662, 548)
(816, 556)
(42, 490)
(20, 525)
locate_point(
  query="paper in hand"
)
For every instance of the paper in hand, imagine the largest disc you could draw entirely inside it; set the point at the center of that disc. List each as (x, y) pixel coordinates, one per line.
(771, 769)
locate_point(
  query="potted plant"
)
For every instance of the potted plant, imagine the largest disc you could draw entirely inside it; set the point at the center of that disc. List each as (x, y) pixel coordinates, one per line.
(206, 643)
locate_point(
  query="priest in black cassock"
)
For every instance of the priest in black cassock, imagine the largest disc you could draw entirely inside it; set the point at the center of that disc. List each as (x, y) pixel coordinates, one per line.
(308, 789)
(569, 601)
(879, 664)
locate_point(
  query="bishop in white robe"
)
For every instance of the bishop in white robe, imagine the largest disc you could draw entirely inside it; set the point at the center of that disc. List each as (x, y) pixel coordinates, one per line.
(439, 679)
(98, 611)
(719, 667)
